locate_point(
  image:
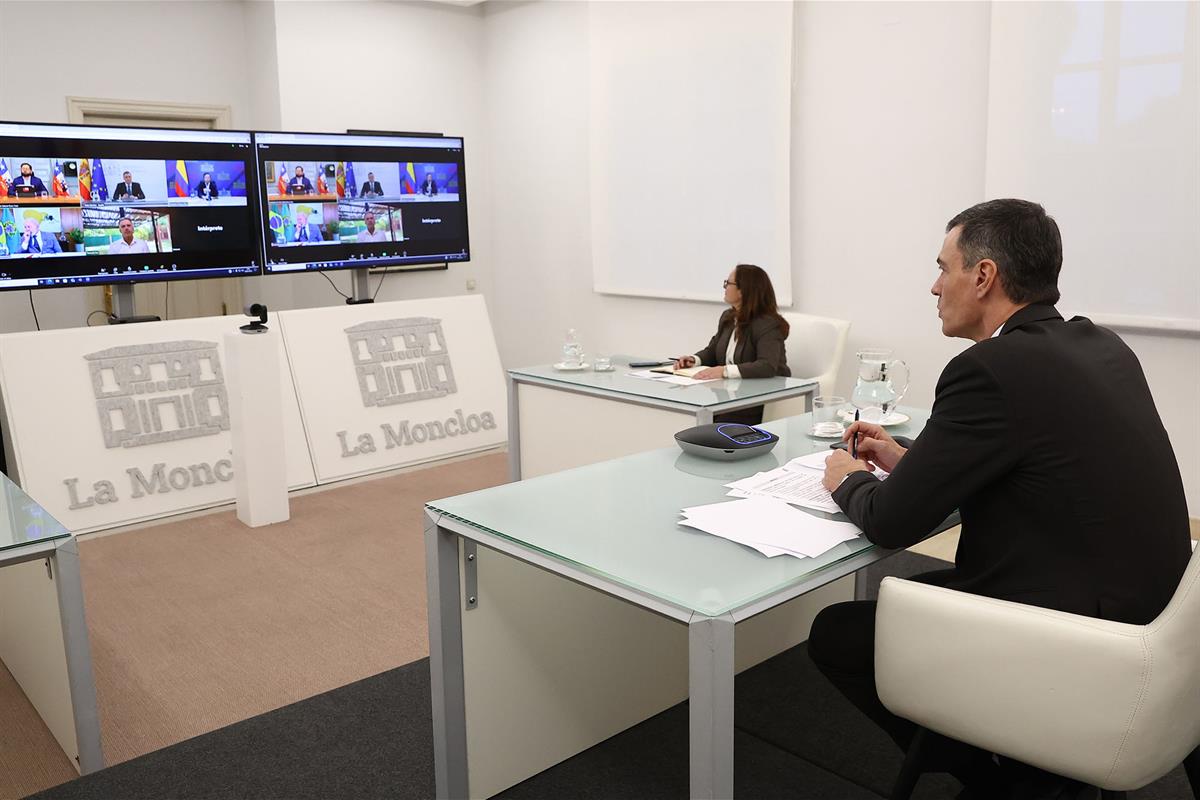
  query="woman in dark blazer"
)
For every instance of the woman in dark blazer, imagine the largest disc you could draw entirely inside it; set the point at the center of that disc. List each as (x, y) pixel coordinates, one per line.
(749, 342)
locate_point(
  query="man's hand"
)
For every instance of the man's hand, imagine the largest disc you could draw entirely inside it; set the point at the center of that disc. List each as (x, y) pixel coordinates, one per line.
(709, 373)
(875, 445)
(839, 465)
(683, 362)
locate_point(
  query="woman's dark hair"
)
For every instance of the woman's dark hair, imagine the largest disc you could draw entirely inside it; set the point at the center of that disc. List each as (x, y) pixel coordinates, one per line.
(758, 298)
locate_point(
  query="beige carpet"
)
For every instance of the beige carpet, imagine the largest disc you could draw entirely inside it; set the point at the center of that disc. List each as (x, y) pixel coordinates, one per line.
(200, 623)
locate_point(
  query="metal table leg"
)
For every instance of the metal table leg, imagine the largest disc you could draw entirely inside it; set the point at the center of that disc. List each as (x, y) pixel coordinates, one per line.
(710, 706)
(79, 655)
(446, 662)
(514, 431)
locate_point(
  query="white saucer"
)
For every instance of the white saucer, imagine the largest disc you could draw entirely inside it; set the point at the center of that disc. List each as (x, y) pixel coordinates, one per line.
(814, 435)
(564, 367)
(894, 418)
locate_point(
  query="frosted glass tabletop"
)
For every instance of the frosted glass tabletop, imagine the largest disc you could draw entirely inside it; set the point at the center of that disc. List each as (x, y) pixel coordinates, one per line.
(23, 520)
(618, 519)
(619, 382)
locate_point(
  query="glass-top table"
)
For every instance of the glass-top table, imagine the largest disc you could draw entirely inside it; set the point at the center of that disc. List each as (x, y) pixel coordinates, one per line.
(618, 520)
(630, 407)
(23, 521)
(52, 664)
(713, 395)
(613, 527)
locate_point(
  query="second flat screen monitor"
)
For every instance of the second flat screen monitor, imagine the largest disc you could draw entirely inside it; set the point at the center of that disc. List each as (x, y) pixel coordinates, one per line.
(334, 201)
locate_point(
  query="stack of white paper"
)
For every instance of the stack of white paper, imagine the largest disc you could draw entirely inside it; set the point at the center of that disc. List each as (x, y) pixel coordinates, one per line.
(797, 482)
(770, 526)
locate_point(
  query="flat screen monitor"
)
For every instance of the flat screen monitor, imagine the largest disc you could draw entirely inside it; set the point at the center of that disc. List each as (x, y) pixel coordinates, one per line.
(338, 201)
(83, 204)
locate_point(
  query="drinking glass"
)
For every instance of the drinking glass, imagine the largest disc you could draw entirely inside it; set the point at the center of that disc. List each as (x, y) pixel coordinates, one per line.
(602, 364)
(825, 415)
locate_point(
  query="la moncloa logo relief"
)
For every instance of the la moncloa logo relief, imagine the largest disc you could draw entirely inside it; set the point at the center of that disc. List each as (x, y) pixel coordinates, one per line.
(162, 392)
(401, 360)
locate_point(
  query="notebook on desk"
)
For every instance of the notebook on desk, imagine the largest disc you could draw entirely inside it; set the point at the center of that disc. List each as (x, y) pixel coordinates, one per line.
(687, 372)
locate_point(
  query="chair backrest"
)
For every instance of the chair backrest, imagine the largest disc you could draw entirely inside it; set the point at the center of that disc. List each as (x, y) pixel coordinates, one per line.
(1166, 725)
(815, 346)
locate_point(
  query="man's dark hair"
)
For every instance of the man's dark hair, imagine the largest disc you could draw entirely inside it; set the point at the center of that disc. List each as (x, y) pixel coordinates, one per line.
(1021, 238)
(27, 164)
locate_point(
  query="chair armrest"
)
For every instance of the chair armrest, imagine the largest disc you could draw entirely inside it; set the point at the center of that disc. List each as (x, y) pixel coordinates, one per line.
(1048, 688)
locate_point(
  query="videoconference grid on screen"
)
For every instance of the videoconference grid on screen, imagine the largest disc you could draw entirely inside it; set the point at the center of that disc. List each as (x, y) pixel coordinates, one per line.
(95, 205)
(339, 201)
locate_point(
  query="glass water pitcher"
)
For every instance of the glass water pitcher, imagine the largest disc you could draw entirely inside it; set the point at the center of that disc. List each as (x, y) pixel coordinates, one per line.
(882, 382)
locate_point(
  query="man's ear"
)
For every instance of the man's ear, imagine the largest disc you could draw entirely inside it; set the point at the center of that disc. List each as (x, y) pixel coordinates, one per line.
(987, 277)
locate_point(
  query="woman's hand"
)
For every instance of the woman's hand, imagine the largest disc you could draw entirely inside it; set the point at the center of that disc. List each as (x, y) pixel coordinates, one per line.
(709, 373)
(683, 362)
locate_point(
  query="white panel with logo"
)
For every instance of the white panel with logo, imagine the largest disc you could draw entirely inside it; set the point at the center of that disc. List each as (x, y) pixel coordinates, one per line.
(120, 424)
(392, 384)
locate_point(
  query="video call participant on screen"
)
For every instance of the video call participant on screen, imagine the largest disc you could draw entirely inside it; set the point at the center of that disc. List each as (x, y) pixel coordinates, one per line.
(371, 188)
(371, 234)
(304, 231)
(1026, 428)
(299, 184)
(128, 188)
(27, 184)
(749, 338)
(34, 242)
(207, 190)
(429, 187)
(127, 244)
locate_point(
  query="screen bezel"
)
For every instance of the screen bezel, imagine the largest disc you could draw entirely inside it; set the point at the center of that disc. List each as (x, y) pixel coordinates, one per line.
(254, 248)
(427, 265)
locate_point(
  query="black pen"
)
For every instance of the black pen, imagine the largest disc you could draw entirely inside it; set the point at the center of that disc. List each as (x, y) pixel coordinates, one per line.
(854, 445)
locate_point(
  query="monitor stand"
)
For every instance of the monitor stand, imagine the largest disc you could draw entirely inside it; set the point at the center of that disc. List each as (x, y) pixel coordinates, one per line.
(360, 289)
(122, 312)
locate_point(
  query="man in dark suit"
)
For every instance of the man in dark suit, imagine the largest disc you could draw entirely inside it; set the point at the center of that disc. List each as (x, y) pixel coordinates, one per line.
(429, 187)
(35, 242)
(27, 184)
(299, 184)
(128, 188)
(1045, 437)
(371, 188)
(207, 190)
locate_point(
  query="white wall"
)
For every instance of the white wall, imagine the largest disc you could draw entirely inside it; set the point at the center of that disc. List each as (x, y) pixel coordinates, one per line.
(890, 129)
(879, 165)
(420, 69)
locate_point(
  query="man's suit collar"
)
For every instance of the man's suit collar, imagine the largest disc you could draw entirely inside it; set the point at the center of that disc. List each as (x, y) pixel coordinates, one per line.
(1034, 312)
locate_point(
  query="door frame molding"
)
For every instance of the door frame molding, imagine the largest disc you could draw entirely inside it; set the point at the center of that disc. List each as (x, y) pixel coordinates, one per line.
(217, 116)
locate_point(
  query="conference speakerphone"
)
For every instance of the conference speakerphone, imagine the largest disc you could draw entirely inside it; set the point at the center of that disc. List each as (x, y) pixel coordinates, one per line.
(728, 441)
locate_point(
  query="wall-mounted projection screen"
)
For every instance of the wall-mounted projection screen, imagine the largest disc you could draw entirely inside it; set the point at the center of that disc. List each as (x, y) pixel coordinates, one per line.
(690, 145)
(1094, 111)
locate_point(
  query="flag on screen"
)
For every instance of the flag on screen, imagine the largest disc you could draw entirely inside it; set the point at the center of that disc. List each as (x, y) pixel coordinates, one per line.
(281, 184)
(409, 179)
(182, 187)
(351, 185)
(322, 187)
(11, 237)
(99, 187)
(85, 180)
(278, 230)
(59, 182)
(5, 177)
(341, 179)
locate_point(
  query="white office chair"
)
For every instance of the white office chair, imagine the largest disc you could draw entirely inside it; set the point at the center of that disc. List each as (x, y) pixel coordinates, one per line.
(1116, 706)
(815, 346)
